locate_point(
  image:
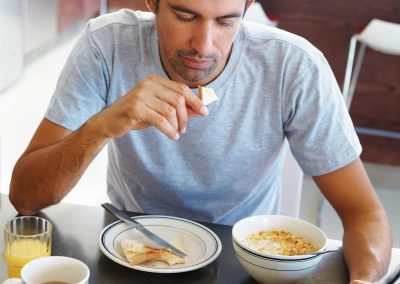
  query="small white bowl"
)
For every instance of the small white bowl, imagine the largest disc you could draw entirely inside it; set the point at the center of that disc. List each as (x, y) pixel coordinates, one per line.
(272, 268)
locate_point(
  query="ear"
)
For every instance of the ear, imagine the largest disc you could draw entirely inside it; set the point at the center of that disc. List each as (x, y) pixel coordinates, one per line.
(249, 3)
(151, 4)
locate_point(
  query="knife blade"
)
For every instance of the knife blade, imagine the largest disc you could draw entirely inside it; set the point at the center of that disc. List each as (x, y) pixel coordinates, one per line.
(136, 225)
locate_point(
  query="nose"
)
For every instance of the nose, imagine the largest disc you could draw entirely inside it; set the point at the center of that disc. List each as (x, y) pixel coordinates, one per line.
(202, 40)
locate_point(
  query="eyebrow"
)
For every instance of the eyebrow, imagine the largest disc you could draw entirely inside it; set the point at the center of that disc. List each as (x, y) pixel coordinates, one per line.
(186, 10)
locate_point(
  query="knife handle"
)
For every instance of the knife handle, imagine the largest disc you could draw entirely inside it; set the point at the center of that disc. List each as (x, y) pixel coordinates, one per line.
(115, 211)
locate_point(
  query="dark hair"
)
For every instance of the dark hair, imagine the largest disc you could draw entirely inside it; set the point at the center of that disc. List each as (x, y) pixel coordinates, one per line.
(245, 7)
(158, 2)
(156, 7)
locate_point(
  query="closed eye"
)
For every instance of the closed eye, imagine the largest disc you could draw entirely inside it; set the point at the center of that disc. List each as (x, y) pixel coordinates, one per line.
(185, 18)
(226, 24)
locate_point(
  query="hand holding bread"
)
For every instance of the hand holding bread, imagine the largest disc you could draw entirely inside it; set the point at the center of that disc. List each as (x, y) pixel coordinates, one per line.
(153, 102)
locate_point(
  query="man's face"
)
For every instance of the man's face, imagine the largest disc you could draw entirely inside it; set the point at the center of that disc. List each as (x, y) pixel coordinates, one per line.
(195, 37)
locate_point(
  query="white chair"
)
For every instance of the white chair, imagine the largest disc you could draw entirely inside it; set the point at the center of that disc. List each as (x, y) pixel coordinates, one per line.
(292, 184)
(379, 35)
(256, 13)
(103, 7)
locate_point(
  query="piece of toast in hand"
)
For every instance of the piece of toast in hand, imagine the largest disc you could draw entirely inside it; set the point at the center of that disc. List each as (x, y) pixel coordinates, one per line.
(136, 252)
(207, 95)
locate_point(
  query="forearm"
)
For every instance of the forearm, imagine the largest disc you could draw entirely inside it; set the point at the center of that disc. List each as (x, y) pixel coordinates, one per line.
(367, 246)
(44, 176)
(367, 235)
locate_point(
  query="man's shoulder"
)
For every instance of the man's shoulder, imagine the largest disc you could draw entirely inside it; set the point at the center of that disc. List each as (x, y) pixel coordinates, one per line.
(123, 17)
(278, 40)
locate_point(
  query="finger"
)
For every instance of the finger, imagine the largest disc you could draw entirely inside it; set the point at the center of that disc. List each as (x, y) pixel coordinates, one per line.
(192, 113)
(190, 98)
(164, 109)
(178, 102)
(161, 123)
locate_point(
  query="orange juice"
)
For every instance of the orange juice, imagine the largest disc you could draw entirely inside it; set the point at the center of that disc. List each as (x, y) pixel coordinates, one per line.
(20, 252)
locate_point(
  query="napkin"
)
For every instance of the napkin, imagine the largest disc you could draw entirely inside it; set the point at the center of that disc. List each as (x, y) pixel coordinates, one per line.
(331, 270)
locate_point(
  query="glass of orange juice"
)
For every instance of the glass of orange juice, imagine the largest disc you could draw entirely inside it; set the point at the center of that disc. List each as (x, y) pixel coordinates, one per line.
(25, 238)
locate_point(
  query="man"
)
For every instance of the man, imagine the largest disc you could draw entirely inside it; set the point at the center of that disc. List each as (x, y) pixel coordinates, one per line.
(170, 154)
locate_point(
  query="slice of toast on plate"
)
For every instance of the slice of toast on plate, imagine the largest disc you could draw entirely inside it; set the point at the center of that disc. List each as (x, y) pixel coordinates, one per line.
(171, 258)
(137, 252)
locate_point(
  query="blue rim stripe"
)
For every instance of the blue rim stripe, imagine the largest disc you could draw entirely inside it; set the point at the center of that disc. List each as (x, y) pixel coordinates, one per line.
(111, 226)
(275, 269)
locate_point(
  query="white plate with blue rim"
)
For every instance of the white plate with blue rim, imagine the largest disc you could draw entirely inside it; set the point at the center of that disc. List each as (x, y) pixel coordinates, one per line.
(202, 245)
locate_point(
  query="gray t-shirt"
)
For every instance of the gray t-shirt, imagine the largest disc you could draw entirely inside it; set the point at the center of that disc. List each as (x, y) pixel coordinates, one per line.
(227, 165)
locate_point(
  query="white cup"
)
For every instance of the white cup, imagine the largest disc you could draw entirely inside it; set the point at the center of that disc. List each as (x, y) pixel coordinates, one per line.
(53, 269)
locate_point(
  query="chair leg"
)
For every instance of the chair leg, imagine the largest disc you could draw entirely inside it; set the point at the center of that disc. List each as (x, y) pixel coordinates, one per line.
(103, 7)
(349, 67)
(354, 79)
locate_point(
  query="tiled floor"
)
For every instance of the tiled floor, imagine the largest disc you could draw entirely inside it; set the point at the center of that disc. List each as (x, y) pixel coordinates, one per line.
(22, 107)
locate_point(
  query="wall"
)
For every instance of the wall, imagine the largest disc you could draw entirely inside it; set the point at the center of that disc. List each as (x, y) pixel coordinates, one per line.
(72, 11)
(131, 4)
(44, 20)
(11, 42)
(31, 28)
(329, 25)
(40, 23)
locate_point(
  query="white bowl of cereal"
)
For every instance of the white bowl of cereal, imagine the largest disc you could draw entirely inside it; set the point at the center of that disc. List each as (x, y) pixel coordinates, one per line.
(276, 248)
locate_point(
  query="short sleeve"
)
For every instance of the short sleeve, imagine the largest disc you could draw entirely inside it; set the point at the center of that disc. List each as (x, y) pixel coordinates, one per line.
(316, 121)
(82, 86)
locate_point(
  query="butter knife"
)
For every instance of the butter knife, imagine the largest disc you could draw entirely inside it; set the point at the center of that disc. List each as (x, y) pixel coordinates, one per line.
(151, 236)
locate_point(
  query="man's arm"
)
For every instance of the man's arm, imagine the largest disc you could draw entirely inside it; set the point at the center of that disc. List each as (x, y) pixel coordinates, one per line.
(52, 164)
(56, 158)
(367, 239)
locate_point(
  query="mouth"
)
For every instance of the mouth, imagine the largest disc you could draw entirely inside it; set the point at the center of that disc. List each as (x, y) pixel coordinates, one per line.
(194, 63)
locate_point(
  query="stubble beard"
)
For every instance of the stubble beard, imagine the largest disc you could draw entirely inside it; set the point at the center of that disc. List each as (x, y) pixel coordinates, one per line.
(186, 74)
